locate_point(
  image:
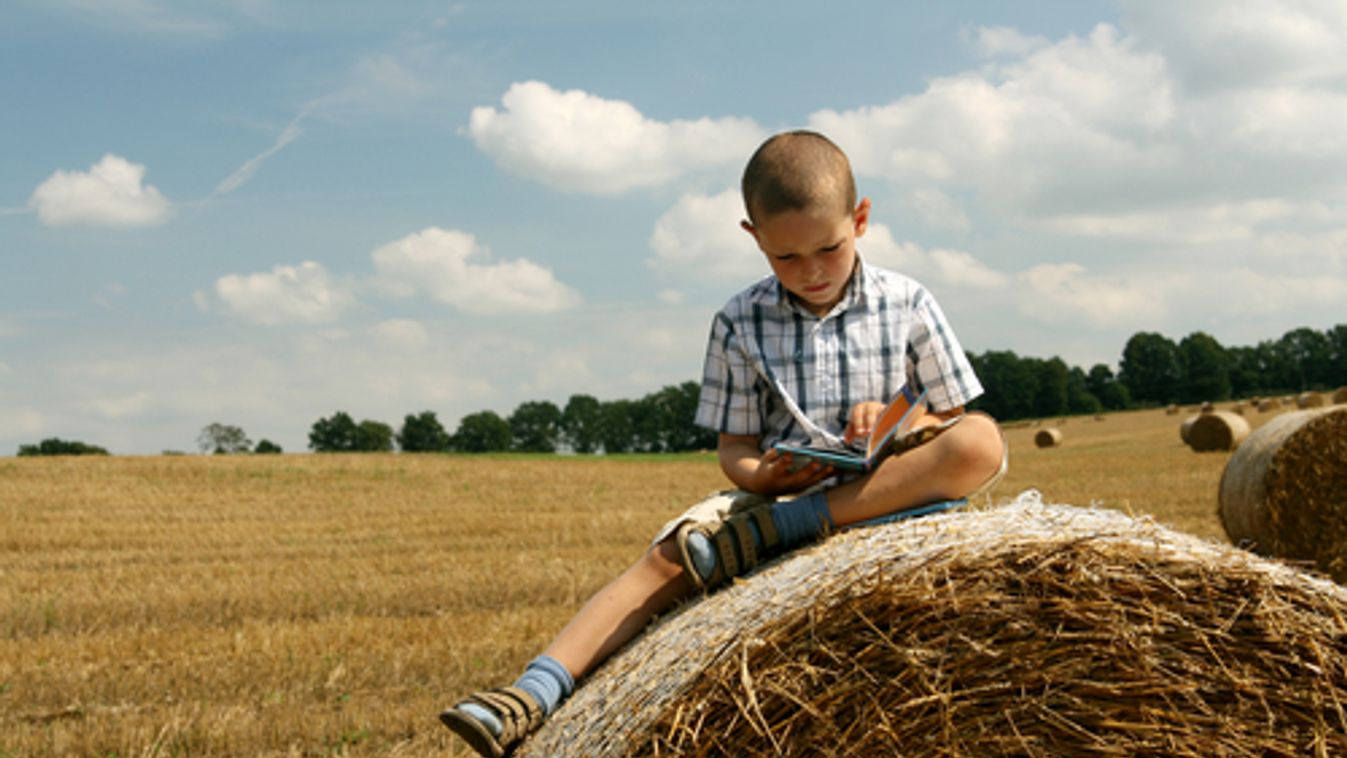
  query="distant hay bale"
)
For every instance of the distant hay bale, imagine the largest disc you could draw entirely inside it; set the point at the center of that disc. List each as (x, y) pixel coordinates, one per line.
(1218, 430)
(1284, 492)
(1186, 428)
(1309, 400)
(1266, 405)
(1206, 407)
(1237, 408)
(1171, 410)
(1050, 437)
(1340, 396)
(1027, 629)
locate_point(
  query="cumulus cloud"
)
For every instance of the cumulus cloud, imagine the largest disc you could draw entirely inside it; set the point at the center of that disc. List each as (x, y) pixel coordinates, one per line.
(700, 237)
(304, 294)
(577, 141)
(111, 193)
(401, 333)
(953, 268)
(451, 267)
(1067, 292)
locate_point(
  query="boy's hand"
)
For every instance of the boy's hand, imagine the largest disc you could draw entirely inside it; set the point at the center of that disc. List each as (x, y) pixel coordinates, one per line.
(861, 420)
(774, 474)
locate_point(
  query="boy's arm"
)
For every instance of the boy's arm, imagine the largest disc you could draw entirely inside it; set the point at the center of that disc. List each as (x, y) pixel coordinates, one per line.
(765, 473)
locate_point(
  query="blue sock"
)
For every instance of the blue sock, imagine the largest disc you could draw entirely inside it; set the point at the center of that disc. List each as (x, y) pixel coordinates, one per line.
(801, 520)
(544, 679)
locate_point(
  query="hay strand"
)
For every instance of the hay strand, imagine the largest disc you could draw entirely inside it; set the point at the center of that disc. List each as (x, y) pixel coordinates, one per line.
(1050, 437)
(1218, 430)
(1028, 629)
(1284, 492)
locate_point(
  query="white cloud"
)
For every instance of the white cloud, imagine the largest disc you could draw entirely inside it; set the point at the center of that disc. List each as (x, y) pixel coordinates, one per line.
(401, 334)
(1065, 293)
(576, 141)
(454, 269)
(303, 294)
(992, 41)
(110, 193)
(947, 268)
(938, 210)
(700, 237)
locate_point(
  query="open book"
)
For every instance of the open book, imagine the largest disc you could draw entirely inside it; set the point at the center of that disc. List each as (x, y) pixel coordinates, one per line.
(896, 419)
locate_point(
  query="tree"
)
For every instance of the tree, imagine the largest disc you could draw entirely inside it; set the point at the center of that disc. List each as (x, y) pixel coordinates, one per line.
(1246, 375)
(1104, 385)
(373, 437)
(674, 410)
(1311, 354)
(1079, 399)
(1337, 341)
(1150, 368)
(1051, 393)
(615, 427)
(223, 439)
(1011, 385)
(580, 423)
(267, 447)
(535, 427)
(422, 433)
(482, 432)
(334, 434)
(57, 446)
(1206, 369)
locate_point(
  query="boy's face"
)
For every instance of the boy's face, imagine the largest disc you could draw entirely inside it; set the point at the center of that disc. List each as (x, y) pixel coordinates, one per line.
(812, 252)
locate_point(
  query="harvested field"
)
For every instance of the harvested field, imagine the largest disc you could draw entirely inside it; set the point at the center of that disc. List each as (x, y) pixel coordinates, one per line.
(333, 604)
(1026, 629)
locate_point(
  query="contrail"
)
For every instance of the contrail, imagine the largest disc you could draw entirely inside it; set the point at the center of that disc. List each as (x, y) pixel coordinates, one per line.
(245, 172)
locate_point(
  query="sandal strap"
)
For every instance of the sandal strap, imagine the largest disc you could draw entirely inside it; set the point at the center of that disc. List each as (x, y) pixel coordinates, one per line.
(727, 558)
(519, 713)
(743, 539)
(771, 539)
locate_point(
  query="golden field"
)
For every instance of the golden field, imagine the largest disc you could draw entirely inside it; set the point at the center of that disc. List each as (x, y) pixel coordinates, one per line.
(334, 604)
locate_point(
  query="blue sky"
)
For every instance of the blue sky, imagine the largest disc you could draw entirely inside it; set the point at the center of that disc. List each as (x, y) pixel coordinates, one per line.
(259, 213)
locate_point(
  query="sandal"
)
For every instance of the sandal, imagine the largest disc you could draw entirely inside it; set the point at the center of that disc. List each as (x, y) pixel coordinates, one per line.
(735, 547)
(519, 714)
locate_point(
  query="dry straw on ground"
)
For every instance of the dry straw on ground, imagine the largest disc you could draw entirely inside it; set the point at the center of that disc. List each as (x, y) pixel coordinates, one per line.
(1218, 430)
(1048, 438)
(1027, 629)
(1284, 492)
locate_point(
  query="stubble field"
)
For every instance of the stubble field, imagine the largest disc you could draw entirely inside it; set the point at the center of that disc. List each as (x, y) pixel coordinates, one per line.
(333, 604)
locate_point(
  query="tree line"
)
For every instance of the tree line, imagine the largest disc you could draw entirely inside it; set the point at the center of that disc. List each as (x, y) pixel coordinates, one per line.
(1154, 370)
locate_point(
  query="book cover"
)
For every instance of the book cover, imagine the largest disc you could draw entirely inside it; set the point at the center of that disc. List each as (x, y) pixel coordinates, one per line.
(896, 419)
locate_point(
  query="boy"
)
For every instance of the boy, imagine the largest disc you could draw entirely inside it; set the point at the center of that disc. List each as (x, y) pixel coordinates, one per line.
(810, 354)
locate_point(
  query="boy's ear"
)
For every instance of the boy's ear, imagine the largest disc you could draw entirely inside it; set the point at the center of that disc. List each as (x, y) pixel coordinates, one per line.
(861, 216)
(747, 226)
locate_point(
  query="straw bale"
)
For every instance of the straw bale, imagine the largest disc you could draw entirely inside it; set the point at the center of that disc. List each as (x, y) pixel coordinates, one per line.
(1218, 430)
(1171, 410)
(1206, 407)
(1266, 405)
(1340, 396)
(1026, 629)
(1186, 428)
(1284, 492)
(1050, 437)
(1309, 400)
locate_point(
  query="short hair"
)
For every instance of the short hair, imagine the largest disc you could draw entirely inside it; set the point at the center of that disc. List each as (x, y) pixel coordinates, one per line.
(795, 171)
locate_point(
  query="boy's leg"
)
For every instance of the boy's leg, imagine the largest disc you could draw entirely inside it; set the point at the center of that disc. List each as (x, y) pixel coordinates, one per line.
(961, 459)
(953, 465)
(494, 721)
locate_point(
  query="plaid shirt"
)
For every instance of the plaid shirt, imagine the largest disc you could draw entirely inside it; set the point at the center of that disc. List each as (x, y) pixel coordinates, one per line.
(777, 371)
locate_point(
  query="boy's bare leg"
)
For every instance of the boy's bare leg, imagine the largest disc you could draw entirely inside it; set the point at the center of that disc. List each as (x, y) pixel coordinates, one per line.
(619, 611)
(950, 466)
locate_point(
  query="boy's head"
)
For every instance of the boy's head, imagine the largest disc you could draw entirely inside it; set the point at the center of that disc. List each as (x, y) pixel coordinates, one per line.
(802, 211)
(797, 171)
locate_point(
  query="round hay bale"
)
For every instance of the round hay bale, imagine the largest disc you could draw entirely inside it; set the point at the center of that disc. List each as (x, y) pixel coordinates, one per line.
(1237, 408)
(1309, 400)
(1171, 410)
(1218, 430)
(1266, 405)
(1340, 396)
(1028, 629)
(1050, 437)
(1284, 492)
(1186, 428)
(1206, 407)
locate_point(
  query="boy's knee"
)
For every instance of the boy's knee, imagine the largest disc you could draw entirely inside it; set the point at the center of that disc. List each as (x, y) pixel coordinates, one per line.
(979, 446)
(663, 560)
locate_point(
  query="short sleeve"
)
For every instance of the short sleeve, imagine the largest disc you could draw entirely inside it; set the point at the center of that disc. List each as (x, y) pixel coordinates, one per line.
(937, 358)
(729, 401)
